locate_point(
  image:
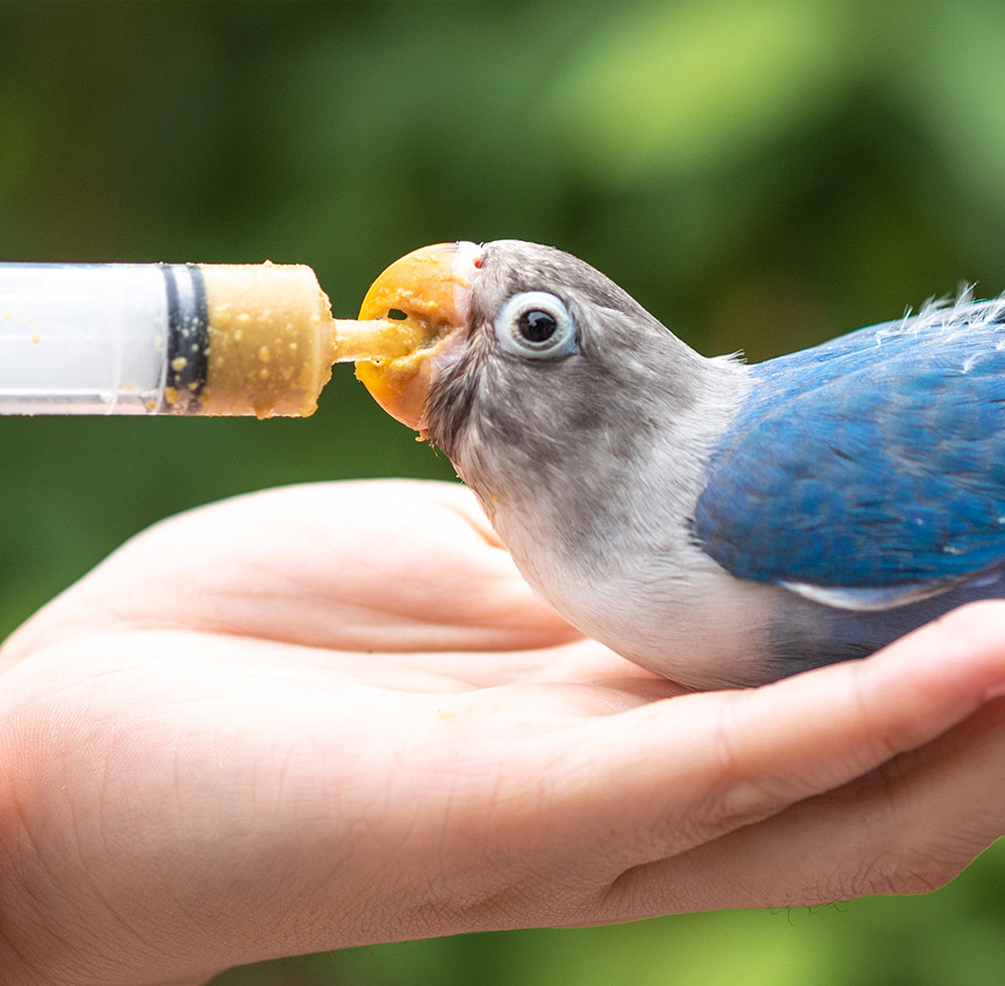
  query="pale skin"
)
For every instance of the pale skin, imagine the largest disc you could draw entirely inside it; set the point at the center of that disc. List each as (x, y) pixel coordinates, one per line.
(329, 715)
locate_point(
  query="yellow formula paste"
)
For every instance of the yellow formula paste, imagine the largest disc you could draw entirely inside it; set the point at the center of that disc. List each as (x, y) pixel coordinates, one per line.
(272, 340)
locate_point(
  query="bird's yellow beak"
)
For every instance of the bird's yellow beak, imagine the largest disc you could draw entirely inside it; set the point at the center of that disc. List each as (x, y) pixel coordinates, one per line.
(428, 293)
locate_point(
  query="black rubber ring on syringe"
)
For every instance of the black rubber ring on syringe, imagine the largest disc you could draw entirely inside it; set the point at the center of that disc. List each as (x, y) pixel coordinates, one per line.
(188, 337)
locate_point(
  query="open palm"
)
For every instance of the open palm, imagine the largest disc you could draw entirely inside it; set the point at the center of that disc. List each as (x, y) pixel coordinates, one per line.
(334, 714)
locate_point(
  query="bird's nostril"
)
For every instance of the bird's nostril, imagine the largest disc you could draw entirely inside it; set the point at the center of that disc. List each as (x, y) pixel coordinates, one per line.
(397, 314)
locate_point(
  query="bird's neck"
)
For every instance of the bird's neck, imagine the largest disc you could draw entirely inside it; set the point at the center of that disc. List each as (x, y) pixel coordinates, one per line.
(622, 495)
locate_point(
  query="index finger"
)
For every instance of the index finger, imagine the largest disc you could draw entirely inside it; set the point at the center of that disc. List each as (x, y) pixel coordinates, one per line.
(388, 565)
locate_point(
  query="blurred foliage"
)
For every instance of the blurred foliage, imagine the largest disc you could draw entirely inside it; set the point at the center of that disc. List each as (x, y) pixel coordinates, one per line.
(761, 175)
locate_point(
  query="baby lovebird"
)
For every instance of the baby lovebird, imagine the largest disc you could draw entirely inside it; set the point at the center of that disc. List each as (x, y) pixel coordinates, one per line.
(716, 522)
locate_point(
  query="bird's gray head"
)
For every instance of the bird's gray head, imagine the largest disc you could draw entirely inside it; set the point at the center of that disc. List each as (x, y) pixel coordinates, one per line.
(543, 373)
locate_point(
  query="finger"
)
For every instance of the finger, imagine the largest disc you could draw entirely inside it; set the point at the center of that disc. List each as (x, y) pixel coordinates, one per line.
(660, 780)
(909, 827)
(379, 565)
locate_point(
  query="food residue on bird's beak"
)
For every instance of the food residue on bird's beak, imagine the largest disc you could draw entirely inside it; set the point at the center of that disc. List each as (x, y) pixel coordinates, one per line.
(426, 294)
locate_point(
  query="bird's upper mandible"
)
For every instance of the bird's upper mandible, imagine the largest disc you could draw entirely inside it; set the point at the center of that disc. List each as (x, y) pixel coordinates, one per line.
(429, 291)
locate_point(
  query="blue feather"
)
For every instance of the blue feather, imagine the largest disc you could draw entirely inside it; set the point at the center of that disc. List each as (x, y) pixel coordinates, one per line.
(869, 471)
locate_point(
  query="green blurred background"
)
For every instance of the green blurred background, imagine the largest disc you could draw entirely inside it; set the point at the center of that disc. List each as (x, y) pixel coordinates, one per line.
(761, 175)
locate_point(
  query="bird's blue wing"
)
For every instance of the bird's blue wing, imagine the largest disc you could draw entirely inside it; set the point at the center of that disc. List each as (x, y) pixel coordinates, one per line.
(869, 471)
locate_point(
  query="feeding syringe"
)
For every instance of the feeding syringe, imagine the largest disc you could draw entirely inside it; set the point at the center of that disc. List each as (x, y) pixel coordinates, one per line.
(172, 339)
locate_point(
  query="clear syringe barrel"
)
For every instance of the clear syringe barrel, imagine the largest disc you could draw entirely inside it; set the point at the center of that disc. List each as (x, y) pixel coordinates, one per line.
(84, 338)
(163, 339)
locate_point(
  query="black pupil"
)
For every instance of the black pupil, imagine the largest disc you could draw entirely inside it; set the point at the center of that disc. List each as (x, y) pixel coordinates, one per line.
(537, 326)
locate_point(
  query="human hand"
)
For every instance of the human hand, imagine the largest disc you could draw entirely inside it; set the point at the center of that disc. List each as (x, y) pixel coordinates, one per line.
(329, 715)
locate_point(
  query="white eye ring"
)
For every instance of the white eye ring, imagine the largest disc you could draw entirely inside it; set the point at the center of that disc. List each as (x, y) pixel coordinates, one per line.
(537, 325)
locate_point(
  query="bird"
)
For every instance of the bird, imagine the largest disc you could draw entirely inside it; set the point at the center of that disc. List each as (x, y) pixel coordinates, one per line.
(720, 523)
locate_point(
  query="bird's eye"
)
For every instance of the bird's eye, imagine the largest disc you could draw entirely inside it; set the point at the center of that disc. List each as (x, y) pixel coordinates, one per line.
(536, 324)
